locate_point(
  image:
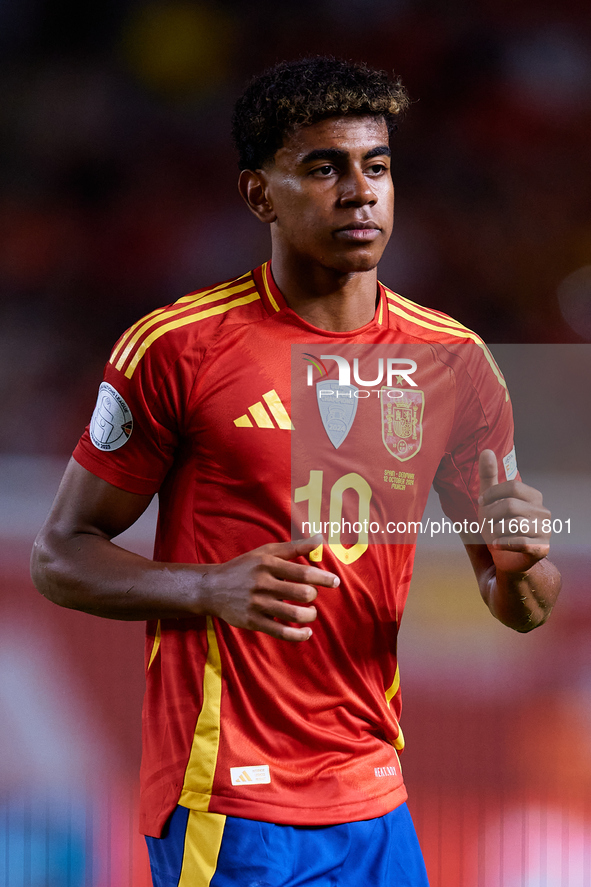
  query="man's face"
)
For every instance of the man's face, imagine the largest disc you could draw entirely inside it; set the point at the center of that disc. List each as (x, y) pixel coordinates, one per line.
(331, 192)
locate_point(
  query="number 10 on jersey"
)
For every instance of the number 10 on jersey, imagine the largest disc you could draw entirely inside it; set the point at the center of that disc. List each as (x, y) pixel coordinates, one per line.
(312, 493)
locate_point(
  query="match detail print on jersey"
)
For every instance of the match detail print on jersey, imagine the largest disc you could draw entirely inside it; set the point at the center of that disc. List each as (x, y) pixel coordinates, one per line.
(112, 423)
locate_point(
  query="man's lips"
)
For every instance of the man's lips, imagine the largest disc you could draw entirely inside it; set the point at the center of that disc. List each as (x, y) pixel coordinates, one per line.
(358, 231)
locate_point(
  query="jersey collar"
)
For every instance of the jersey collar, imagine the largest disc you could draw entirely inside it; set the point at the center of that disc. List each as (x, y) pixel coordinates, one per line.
(274, 302)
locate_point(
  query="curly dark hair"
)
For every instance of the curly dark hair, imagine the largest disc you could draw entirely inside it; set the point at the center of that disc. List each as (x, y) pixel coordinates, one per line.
(299, 93)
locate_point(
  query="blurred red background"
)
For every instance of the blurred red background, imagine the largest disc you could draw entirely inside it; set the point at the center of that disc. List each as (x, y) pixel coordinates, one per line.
(117, 195)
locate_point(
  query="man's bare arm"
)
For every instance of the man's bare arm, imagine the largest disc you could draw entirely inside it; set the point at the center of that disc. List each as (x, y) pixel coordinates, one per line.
(516, 580)
(75, 564)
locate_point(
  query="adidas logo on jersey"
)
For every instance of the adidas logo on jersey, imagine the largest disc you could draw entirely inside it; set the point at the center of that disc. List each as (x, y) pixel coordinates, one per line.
(257, 775)
(273, 415)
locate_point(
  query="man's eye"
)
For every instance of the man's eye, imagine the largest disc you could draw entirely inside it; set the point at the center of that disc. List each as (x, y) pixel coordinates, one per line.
(377, 168)
(323, 171)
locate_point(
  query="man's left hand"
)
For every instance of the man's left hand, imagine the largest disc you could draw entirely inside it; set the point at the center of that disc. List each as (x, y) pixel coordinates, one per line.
(512, 518)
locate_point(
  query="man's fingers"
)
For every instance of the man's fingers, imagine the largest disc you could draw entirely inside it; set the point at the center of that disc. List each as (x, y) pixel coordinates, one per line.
(265, 622)
(487, 470)
(276, 618)
(288, 612)
(297, 548)
(303, 574)
(536, 547)
(513, 518)
(305, 546)
(284, 554)
(270, 590)
(285, 632)
(284, 590)
(293, 548)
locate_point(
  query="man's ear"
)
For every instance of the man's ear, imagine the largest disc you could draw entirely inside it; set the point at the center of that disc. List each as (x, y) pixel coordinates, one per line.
(254, 189)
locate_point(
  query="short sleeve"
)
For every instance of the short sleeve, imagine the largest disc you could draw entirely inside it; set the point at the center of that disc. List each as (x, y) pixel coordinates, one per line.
(483, 419)
(138, 420)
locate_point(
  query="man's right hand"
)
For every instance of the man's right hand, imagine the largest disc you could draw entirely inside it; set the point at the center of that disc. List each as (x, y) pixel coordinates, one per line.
(264, 589)
(75, 564)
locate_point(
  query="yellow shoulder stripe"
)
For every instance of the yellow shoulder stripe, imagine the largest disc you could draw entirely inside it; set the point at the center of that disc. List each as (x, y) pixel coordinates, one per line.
(381, 313)
(196, 297)
(151, 320)
(267, 288)
(426, 312)
(462, 333)
(183, 321)
(125, 337)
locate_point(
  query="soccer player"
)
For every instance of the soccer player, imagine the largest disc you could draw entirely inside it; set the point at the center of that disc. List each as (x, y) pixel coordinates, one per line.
(271, 718)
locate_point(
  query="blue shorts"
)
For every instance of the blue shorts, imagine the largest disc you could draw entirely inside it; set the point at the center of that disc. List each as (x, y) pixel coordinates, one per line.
(211, 850)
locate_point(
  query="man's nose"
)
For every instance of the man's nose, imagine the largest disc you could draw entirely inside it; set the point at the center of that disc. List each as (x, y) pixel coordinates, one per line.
(357, 189)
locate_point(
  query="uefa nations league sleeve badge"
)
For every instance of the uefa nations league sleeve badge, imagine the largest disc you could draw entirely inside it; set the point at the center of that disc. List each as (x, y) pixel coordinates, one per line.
(112, 423)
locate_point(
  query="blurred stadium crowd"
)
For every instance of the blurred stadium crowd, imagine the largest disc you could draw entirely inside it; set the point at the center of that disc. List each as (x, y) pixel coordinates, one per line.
(118, 175)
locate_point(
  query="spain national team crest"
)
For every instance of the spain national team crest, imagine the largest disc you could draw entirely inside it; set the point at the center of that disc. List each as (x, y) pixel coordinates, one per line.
(337, 405)
(402, 422)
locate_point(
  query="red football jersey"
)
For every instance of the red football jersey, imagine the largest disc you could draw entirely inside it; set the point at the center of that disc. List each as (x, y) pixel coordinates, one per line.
(253, 425)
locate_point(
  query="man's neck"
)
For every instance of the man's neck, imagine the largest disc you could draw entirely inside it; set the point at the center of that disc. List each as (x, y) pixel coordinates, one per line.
(326, 298)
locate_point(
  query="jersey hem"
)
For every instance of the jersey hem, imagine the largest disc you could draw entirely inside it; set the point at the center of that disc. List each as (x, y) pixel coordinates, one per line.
(260, 811)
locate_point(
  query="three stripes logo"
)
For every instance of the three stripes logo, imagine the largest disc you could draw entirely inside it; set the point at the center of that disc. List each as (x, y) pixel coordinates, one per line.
(270, 414)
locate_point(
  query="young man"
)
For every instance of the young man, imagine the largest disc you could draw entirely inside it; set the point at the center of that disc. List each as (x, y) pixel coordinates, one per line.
(271, 719)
